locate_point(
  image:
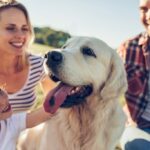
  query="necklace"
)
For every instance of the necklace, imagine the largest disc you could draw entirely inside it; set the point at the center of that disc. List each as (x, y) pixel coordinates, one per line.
(3, 86)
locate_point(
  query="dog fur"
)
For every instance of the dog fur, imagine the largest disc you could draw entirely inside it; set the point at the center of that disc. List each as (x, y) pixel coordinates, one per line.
(97, 123)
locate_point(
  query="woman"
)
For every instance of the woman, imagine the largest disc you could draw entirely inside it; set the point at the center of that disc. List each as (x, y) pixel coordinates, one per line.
(20, 71)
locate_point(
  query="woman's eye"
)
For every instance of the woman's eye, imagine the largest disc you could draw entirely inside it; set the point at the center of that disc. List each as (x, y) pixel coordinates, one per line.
(88, 51)
(10, 28)
(25, 29)
(13, 29)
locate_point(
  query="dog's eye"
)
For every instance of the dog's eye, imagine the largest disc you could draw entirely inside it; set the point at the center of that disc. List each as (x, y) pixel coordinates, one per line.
(46, 56)
(88, 51)
(64, 46)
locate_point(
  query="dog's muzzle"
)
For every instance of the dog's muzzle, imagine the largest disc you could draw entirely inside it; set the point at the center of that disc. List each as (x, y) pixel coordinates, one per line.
(63, 95)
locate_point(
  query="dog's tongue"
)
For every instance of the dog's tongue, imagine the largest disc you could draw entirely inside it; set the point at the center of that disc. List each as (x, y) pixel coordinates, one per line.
(56, 97)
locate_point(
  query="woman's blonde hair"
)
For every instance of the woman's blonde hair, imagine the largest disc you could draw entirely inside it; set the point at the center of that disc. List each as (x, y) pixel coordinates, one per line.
(6, 4)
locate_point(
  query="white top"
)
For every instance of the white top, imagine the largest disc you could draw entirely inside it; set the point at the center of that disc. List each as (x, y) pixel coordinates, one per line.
(24, 99)
(10, 130)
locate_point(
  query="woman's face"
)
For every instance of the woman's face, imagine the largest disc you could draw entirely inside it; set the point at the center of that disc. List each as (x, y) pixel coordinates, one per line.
(14, 32)
(5, 108)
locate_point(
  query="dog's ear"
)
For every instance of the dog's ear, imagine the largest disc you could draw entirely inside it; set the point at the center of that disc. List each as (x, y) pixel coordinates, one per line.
(116, 83)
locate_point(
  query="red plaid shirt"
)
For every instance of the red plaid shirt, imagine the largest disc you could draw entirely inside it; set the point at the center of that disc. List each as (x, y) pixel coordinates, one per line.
(136, 55)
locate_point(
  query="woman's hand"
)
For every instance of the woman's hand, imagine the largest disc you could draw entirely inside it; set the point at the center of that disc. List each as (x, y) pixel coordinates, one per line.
(36, 117)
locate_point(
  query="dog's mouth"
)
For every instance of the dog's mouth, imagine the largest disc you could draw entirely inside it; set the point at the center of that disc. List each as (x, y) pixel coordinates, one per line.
(65, 95)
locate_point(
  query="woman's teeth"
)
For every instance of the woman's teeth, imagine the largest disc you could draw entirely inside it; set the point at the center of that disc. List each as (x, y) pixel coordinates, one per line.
(17, 44)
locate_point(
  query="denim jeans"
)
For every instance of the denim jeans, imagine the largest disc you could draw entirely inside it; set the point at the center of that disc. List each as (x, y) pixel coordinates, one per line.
(135, 139)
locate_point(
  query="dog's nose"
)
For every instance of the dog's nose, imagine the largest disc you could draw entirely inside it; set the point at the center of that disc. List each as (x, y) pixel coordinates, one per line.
(54, 58)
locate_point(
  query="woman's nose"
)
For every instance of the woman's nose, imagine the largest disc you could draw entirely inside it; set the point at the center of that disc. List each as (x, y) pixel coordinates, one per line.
(20, 33)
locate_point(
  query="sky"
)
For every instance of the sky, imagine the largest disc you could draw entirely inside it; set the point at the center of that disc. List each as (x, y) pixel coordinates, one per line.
(112, 21)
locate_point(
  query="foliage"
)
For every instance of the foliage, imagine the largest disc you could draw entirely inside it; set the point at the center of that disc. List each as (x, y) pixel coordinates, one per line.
(48, 36)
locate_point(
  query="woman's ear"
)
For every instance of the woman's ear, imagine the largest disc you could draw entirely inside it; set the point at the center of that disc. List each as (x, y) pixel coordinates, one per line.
(116, 83)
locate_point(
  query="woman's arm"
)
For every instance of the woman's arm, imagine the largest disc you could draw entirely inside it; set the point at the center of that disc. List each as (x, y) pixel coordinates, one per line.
(47, 84)
(36, 117)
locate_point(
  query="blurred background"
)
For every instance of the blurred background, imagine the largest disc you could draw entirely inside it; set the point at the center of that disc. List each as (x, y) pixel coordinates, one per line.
(112, 21)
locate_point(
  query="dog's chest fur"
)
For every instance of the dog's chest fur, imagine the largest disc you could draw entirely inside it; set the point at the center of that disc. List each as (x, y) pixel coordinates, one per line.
(80, 128)
(94, 125)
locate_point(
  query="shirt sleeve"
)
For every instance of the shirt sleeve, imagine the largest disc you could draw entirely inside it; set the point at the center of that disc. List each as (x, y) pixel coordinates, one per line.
(17, 122)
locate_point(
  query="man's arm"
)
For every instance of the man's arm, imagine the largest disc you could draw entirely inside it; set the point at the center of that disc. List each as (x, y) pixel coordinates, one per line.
(130, 121)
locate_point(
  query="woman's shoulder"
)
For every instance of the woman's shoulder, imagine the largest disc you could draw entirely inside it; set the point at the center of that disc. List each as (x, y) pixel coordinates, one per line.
(36, 59)
(36, 65)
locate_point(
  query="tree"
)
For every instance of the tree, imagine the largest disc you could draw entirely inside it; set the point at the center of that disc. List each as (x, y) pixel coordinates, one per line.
(48, 36)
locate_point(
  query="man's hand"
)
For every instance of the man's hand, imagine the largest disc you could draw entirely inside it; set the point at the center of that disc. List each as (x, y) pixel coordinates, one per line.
(130, 121)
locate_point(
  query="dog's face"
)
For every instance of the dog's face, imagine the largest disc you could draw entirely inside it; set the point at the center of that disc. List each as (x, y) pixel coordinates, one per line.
(84, 65)
(82, 61)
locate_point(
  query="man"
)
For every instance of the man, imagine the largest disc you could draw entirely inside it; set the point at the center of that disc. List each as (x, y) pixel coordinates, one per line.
(136, 55)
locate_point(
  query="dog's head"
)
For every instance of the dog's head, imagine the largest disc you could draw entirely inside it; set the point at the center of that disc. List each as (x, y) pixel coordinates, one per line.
(85, 66)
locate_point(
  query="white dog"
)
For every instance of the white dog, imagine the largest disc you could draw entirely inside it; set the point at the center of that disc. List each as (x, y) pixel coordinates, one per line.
(92, 79)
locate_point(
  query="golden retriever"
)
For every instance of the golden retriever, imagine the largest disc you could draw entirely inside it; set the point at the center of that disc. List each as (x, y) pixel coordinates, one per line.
(92, 79)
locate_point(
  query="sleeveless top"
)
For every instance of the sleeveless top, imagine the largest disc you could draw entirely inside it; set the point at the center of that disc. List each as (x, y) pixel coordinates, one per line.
(24, 99)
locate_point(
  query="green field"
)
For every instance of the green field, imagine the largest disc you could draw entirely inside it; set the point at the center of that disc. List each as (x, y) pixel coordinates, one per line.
(39, 49)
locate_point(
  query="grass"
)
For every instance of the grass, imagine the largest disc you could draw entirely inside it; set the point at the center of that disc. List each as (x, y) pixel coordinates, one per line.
(40, 49)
